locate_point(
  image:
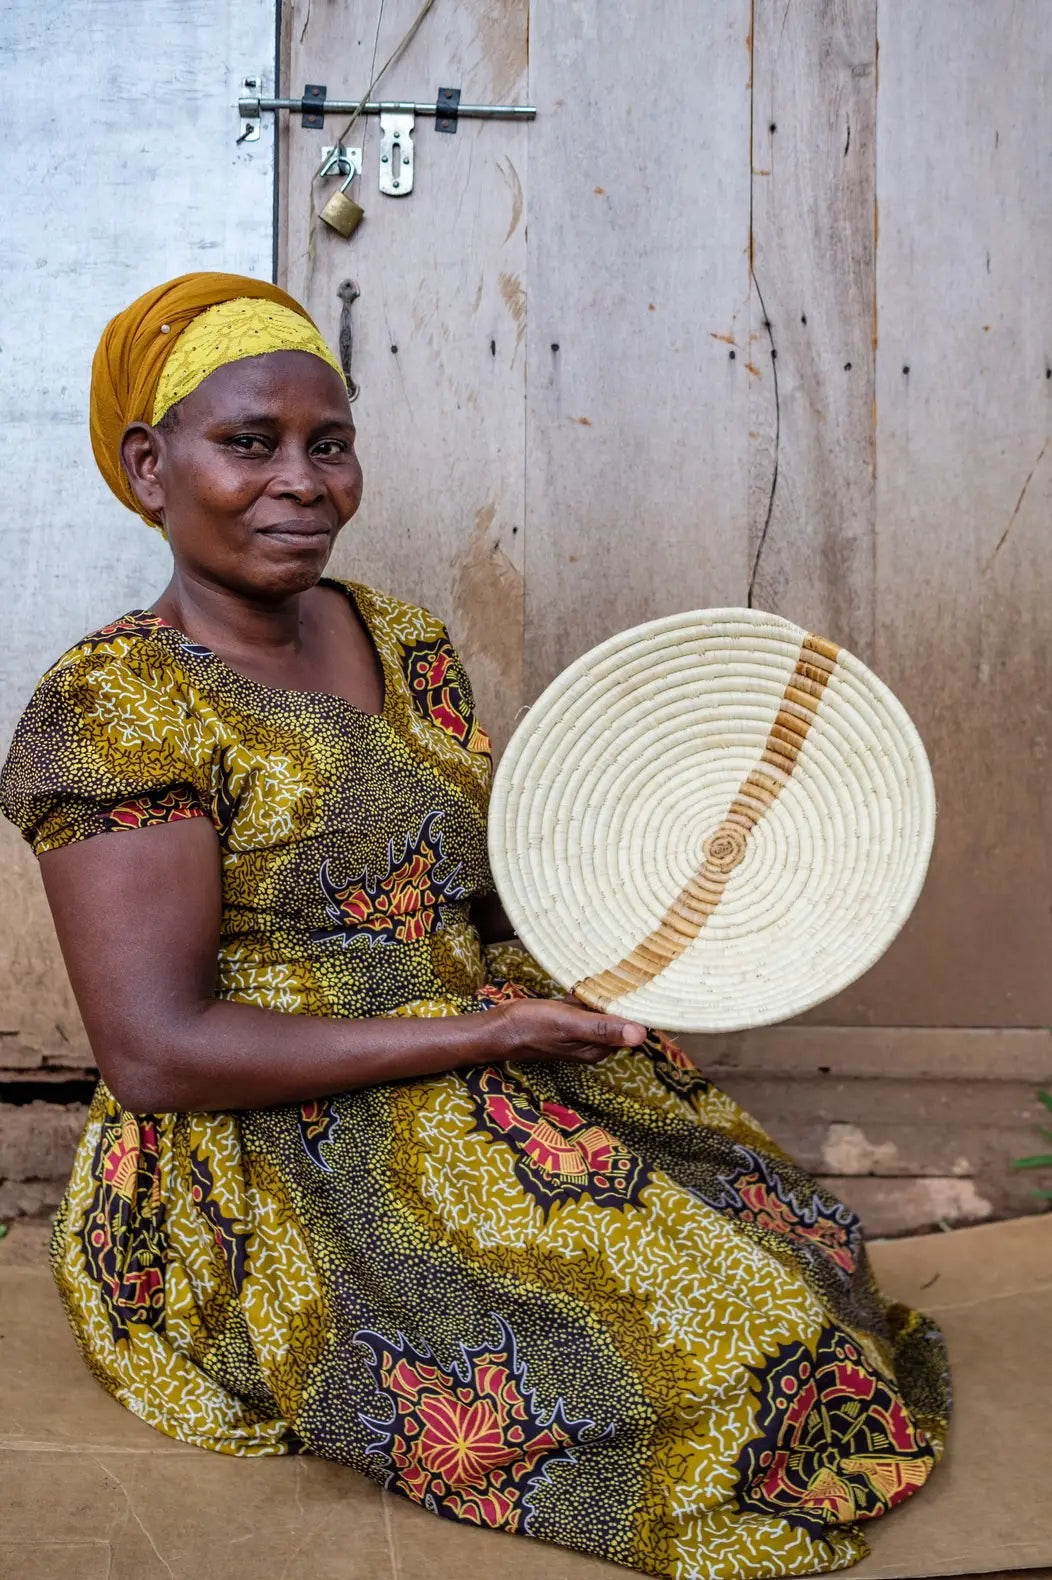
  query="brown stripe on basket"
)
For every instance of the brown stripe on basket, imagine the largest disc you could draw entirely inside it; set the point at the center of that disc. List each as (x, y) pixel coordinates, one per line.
(725, 849)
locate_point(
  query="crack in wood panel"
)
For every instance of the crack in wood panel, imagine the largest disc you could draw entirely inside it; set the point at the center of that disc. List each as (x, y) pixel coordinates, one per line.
(813, 180)
(637, 409)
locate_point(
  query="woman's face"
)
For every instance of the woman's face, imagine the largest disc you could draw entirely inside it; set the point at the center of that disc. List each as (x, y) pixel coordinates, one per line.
(254, 473)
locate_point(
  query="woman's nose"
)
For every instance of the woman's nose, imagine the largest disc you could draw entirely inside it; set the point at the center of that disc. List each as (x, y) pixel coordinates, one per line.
(299, 480)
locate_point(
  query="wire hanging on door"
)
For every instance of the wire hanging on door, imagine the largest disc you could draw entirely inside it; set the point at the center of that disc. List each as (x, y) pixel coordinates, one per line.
(400, 48)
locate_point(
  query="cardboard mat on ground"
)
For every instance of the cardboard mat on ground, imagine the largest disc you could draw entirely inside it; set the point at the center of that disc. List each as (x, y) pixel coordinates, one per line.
(93, 1494)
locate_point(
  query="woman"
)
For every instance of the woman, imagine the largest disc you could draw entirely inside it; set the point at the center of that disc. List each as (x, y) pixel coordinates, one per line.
(356, 1180)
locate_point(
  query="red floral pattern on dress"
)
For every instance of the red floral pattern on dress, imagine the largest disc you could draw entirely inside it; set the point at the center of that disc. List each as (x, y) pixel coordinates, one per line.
(672, 1067)
(558, 1156)
(172, 806)
(834, 1442)
(122, 1233)
(469, 1443)
(401, 906)
(440, 692)
(137, 623)
(318, 1123)
(758, 1197)
(494, 993)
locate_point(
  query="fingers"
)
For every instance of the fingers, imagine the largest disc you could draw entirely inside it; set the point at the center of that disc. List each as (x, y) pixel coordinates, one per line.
(630, 1034)
(614, 1033)
(605, 1035)
(620, 1033)
(565, 1030)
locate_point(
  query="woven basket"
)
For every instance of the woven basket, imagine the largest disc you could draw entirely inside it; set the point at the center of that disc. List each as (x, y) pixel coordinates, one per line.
(711, 822)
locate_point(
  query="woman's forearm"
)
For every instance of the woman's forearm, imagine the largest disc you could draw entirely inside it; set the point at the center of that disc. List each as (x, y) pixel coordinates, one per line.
(144, 974)
(224, 1055)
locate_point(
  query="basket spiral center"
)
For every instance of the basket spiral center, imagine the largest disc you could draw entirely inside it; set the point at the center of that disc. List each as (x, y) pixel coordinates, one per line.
(725, 850)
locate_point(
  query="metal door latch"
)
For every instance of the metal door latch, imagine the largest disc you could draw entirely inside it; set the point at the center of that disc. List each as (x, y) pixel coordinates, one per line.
(447, 109)
(396, 153)
(396, 122)
(340, 161)
(248, 108)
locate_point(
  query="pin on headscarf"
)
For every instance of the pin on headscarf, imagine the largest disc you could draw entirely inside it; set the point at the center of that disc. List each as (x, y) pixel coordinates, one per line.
(158, 350)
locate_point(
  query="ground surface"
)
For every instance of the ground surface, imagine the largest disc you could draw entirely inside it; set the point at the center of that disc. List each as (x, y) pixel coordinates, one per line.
(90, 1493)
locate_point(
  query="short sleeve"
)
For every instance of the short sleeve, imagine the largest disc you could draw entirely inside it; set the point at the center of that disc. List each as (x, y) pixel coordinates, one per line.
(103, 745)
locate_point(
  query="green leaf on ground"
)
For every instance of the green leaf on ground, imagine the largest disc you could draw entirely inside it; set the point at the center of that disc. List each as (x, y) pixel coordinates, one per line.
(1044, 1159)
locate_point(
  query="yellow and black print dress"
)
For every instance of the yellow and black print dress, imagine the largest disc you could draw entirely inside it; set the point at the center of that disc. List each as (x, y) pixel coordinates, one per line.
(593, 1304)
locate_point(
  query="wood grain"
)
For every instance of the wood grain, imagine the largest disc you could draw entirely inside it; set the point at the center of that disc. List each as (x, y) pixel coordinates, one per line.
(964, 490)
(440, 323)
(812, 503)
(636, 444)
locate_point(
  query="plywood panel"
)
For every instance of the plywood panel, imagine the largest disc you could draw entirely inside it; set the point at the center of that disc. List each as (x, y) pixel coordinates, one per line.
(811, 347)
(145, 182)
(872, 1053)
(636, 449)
(964, 487)
(440, 322)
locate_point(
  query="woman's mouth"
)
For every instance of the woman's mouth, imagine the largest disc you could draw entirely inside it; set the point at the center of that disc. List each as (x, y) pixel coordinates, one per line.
(298, 534)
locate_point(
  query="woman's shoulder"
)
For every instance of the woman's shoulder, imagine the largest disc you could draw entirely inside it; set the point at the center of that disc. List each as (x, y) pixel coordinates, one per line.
(107, 740)
(408, 623)
(129, 642)
(119, 676)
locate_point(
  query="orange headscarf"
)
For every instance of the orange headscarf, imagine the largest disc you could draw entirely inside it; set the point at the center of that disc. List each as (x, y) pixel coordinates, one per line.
(133, 350)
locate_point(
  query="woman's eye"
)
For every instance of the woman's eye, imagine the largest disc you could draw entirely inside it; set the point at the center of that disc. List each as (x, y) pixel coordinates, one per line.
(331, 447)
(249, 444)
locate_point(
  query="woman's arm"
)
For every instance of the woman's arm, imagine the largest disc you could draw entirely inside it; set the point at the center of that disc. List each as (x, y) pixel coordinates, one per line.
(137, 915)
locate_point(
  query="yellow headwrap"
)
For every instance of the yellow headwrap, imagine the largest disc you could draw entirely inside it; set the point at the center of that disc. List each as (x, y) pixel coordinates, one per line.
(245, 327)
(161, 348)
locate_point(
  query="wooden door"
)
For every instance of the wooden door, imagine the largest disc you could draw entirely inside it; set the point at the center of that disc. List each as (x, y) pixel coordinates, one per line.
(439, 328)
(738, 320)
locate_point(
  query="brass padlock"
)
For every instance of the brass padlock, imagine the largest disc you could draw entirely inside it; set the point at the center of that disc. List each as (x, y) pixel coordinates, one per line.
(341, 213)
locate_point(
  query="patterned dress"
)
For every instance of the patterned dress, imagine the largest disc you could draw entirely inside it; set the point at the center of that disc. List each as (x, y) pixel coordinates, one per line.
(593, 1304)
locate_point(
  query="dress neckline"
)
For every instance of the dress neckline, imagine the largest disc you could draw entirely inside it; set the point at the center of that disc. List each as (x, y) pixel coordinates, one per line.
(352, 592)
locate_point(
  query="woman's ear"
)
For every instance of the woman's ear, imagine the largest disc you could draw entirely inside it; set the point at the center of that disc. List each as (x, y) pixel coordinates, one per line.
(141, 450)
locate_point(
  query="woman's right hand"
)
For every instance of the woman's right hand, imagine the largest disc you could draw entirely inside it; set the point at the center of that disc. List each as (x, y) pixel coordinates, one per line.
(528, 1029)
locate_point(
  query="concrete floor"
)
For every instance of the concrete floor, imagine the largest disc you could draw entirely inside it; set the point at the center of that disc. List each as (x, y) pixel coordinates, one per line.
(90, 1493)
